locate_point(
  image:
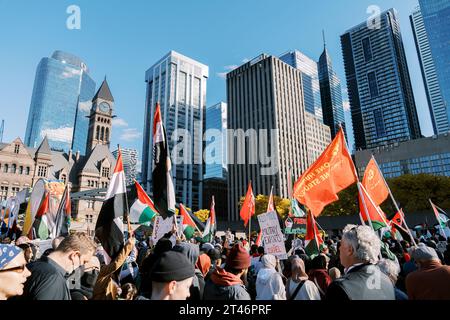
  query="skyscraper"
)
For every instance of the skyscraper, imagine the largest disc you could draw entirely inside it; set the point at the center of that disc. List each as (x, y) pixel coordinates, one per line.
(178, 83)
(216, 149)
(379, 87)
(129, 159)
(331, 94)
(436, 19)
(267, 128)
(61, 103)
(310, 78)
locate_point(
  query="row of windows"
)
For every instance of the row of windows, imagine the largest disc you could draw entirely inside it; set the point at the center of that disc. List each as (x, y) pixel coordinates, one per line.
(6, 168)
(4, 192)
(102, 133)
(103, 120)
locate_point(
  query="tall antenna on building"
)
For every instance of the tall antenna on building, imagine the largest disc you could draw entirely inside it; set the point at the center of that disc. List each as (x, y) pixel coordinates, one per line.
(1, 130)
(324, 41)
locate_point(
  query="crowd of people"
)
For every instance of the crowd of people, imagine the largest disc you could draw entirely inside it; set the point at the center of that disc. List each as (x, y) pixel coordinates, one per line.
(355, 265)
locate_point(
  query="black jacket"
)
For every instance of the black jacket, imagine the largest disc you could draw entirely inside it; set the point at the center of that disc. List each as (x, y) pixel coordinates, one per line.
(47, 281)
(363, 282)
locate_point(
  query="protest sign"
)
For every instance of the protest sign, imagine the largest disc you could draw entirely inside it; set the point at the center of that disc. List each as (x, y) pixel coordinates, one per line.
(161, 227)
(295, 226)
(272, 236)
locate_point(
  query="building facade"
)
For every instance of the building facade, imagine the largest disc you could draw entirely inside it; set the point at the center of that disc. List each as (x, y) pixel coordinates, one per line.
(218, 188)
(331, 95)
(318, 137)
(60, 103)
(310, 77)
(267, 128)
(22, 166)
(379, 86)
(178, 83)
(426, 155)
(129, 159)
(216, 141)
(435, 15)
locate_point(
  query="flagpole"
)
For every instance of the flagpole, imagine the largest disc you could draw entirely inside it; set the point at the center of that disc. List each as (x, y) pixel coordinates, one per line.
(395, 202)
(439, 223)
(357, 183)
(365, 207)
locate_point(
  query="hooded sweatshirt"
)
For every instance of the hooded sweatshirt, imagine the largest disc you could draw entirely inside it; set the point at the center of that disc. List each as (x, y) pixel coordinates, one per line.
(224, 285)
(269, 283)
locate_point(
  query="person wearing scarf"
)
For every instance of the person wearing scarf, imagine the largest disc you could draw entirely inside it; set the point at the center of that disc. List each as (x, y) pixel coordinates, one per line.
(269, 282)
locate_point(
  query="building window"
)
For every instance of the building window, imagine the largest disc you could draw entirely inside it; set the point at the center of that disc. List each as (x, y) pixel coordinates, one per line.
(379, 122)
(21, 170)
(367, 49)
(3, 193)
(14, 168)
(16, 148)
(5, 168)
(14, 191)
(373, 86)
(105, 172)
(42, 171)
(27, 171)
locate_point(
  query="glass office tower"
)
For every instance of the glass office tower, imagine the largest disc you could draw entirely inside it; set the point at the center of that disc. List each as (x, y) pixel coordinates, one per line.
(216, 149)
(61, 99)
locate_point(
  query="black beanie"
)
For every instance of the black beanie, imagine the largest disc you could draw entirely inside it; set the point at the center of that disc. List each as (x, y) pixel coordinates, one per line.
(172, 266)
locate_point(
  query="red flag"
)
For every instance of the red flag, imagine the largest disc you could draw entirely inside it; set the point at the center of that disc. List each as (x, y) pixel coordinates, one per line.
(377, 216)
(313, 240)
(331, 173)
(212, 213)
(270, 205)
(248, 208)
(374, 183)
(187, 220)
(44, 207)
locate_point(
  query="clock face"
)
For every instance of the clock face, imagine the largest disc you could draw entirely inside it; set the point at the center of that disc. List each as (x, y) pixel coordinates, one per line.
(104, 107)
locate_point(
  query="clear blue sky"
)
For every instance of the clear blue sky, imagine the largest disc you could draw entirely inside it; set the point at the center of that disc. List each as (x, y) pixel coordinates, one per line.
(123, 38)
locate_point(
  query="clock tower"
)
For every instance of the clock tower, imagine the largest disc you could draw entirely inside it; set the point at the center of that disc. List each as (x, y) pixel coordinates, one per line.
(100, 118)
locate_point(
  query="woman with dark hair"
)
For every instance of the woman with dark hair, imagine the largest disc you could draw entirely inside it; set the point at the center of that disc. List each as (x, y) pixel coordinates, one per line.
(319, 274)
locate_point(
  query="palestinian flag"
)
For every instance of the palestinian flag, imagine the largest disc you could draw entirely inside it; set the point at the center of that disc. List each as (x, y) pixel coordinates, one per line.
(109, 226)
(40, 227)
(375, 215)
(210, 228)
(62, 222)
(163, 191)
(188, 224)
(296, 210)
(440, 216)
(313, 241)
(142, 209)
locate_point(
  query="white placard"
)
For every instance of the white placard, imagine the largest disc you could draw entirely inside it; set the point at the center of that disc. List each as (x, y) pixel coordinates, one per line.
(161, 227)
(272, 236)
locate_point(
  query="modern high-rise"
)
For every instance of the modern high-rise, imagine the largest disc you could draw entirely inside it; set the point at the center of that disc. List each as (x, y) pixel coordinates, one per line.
(331, 94)
(267, 128)
(318, 136)
(216, 145)
(378, 82)
(310, 80)
(61, 103)
(178, 84)
(129, 159)
(435, 41)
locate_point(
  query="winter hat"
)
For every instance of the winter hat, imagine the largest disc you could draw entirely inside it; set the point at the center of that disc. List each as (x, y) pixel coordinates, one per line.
(190, 250)
(206, 247)
(214, 254)
(422, 252)
(7, 253)
(238, 258)
(172, 266)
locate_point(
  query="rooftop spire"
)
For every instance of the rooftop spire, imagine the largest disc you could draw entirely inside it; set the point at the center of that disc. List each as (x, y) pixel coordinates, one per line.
(324, 41)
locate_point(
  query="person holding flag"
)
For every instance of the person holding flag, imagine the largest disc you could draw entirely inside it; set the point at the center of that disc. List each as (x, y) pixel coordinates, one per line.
(210, 228)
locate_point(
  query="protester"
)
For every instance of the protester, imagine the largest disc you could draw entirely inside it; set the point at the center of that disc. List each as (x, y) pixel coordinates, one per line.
(319, 274)
(192, 253)
(172, 277)
(86, 280)
(298, 287)
(269, 282)
(359, 252)
(107, 285)
(13, 271)
(48, 274)
(432, 280)
(392, 270)
(334, 273)
(226, 283)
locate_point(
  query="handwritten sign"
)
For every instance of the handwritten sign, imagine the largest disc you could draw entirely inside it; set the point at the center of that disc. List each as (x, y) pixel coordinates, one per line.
(272, 236)
(161, 227)
(295, 226)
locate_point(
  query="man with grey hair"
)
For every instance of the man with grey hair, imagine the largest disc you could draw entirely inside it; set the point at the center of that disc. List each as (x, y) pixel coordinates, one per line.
(432, 280)
(392, 269)
(363, 280)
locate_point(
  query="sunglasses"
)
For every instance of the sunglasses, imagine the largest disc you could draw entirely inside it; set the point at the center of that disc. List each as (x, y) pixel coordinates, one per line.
(18, 269)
